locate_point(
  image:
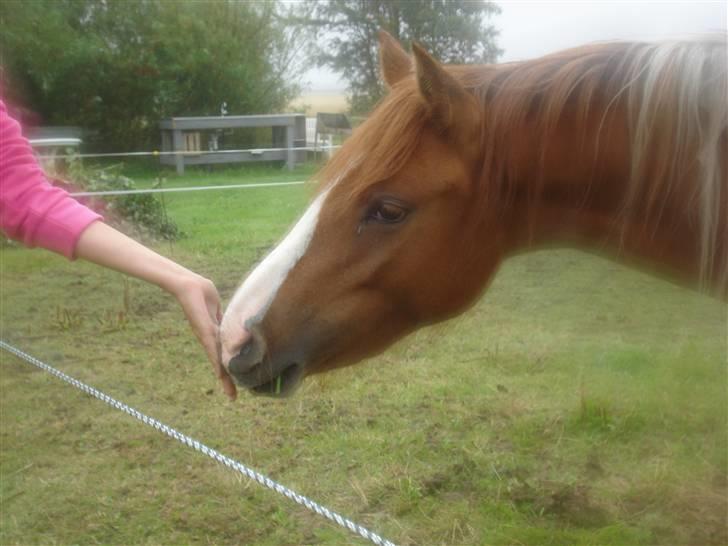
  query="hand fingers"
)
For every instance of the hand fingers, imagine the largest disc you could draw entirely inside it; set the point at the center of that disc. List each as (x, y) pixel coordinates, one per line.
(204, 320)
(227, 383)
(229, 387)
(209, 342)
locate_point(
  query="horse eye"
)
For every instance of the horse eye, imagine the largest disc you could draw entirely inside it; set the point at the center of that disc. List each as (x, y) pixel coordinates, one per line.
(386, 212)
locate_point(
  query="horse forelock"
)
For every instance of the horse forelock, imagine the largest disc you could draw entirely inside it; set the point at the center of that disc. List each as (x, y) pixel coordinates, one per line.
(381, 145)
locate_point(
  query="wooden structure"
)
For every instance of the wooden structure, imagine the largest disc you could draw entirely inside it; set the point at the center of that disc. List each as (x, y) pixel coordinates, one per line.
(328, 125)
(183, 135)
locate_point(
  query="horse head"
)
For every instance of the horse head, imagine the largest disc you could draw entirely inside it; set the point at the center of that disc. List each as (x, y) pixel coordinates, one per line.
(391, 242)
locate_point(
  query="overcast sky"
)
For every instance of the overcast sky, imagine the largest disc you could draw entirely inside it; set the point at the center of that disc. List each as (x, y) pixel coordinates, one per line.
(532, 28)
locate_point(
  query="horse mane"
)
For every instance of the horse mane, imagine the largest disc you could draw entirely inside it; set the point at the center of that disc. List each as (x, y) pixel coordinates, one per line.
(675, 95)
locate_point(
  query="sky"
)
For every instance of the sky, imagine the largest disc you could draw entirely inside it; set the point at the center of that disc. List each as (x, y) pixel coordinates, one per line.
(530, 29)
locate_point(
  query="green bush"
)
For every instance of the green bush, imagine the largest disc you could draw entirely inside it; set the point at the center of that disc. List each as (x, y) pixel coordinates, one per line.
(116, 68)
(141, 215)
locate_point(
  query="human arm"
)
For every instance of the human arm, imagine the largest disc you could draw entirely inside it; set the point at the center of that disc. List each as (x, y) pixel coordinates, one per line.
(39, 214)
(103, 245)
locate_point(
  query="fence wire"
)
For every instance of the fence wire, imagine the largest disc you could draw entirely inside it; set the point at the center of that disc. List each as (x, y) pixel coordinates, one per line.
(187, 153)
(202, 448)
(182, 189)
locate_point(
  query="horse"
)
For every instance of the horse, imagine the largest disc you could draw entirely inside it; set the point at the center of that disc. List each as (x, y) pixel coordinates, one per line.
(617, 147)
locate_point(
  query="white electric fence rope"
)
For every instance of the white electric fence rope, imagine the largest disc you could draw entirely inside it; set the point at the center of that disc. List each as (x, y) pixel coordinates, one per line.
(191, 188)
(189, 153)
(202, 448)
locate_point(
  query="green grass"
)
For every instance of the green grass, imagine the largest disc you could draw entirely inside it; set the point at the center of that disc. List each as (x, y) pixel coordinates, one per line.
(580, 402)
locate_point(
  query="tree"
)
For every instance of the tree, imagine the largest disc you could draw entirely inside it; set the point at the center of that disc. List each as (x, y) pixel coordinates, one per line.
(118, 67)
(454, 31)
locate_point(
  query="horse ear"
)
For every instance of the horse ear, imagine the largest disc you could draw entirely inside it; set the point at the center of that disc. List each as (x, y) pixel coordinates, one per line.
(393, 60)
(446, 97)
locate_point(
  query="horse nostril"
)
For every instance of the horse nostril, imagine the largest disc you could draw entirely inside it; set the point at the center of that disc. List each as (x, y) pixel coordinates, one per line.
(247, 347)
(249, 355)
(237, 366)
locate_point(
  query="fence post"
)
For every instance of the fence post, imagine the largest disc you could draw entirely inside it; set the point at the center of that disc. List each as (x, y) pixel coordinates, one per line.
(178, 146)
(290, 135)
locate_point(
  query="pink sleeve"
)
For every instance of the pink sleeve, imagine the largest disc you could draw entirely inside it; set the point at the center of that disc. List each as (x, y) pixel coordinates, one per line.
(31, 209)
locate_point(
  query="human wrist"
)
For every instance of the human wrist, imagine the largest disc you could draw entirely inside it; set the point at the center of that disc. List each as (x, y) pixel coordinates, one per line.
(184, 282)
(178, 281)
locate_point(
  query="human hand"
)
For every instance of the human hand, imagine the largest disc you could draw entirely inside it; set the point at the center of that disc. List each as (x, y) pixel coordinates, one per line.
(201, 304)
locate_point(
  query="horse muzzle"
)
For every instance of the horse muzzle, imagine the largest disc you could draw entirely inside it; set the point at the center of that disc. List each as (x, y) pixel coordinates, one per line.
(261, 373)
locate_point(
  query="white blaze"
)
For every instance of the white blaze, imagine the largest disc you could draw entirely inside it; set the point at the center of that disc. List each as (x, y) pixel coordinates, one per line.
(255, 295)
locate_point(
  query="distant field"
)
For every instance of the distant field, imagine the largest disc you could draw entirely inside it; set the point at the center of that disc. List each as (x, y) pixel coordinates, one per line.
(322, 101)
(579, 402)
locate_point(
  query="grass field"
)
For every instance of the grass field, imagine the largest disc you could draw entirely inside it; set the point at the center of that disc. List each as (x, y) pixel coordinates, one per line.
(579, 402)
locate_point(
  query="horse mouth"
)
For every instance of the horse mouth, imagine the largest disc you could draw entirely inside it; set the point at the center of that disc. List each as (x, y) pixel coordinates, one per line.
(283, 384)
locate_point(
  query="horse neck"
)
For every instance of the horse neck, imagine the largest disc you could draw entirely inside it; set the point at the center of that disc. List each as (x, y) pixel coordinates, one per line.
(576, 186)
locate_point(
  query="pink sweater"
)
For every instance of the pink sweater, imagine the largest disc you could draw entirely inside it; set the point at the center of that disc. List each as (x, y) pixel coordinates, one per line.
(31, 209)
